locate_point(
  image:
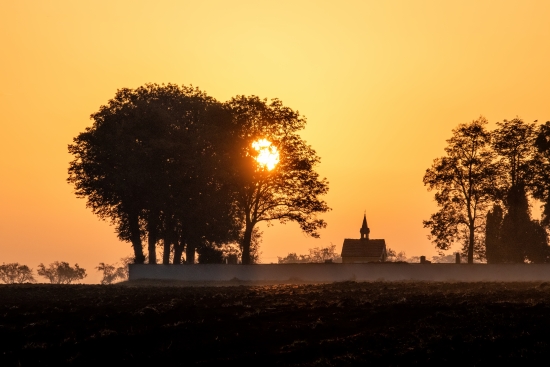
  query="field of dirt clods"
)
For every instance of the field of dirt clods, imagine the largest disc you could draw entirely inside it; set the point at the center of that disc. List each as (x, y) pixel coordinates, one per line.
(295, 324)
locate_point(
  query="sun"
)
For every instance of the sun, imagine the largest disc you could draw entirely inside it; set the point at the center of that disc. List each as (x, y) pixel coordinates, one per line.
(268, 155)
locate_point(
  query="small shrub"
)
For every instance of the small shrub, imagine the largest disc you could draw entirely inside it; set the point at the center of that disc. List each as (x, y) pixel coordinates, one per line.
(111, 273)
(125, 261)
(61, 273)
(15, 273)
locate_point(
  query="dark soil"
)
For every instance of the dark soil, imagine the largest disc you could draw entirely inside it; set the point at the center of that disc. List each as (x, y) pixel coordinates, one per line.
(323, 324)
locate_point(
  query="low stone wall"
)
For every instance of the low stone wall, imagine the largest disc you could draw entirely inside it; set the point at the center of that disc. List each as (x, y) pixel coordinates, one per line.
(342, 272)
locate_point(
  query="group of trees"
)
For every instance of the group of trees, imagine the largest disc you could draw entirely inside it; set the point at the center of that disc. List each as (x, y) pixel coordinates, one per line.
(485, 185)
(172, 167)
(16, 273)
(56, 273)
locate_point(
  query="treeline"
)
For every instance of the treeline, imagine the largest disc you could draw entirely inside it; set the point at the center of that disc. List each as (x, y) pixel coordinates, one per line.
(60, 272)
(56, 273)
(172, 167)
(485, 185)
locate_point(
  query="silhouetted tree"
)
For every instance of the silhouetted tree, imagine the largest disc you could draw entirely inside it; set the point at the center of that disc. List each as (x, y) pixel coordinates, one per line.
(61, 272)
(15, 273)
(465, 183)
(289, 192)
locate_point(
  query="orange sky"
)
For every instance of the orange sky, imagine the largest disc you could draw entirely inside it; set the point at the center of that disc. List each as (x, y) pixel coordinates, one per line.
(381, 83)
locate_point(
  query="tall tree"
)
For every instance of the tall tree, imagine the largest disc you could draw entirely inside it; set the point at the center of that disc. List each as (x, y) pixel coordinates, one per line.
(286, 189)
(464, 181)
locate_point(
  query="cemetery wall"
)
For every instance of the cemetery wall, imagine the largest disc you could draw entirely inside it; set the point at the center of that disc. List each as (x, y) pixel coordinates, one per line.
(344, 272)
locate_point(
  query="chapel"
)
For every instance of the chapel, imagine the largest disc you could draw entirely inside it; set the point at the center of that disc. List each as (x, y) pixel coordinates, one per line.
(364, 250)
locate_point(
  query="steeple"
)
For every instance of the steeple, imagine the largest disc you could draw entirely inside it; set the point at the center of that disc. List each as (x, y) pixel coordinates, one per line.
(364, 228)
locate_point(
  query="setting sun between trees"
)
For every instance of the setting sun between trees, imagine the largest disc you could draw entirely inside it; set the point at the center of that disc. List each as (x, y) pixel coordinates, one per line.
(268, 155)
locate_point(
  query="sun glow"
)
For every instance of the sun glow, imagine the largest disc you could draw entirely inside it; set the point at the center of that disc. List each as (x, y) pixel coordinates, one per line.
(268, 155)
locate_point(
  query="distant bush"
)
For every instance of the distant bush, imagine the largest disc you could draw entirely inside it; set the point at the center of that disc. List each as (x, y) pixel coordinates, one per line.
(293, 258)
(61, 273)
(111, 273)
(393, 256)
(316, 255)
(322, 254)
(15, 273)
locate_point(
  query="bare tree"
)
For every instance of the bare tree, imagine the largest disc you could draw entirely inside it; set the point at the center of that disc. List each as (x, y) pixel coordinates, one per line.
(15, 273)
(61, 272)
(111, 273)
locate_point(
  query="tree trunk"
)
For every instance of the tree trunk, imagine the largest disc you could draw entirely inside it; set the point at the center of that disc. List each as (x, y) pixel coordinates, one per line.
(190, 252)
(178, 251)
(152, 232)
(166, 249)
(247, 239)
(135, 237)
(179, 245)
(471, 245)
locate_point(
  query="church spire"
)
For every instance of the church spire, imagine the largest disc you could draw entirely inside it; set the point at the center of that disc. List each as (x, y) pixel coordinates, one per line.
(364, 228)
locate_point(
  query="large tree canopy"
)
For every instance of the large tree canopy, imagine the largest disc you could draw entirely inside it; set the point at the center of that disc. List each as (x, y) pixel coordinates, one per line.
(168, 163)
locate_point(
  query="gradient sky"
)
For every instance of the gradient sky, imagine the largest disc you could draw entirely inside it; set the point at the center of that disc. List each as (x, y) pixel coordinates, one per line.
(382, 84)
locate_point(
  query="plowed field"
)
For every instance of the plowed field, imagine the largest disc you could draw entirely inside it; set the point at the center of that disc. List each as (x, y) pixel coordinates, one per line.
(295, 324)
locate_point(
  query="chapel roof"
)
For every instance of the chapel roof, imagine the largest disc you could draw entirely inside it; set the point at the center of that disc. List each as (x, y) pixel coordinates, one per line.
(363, 248)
